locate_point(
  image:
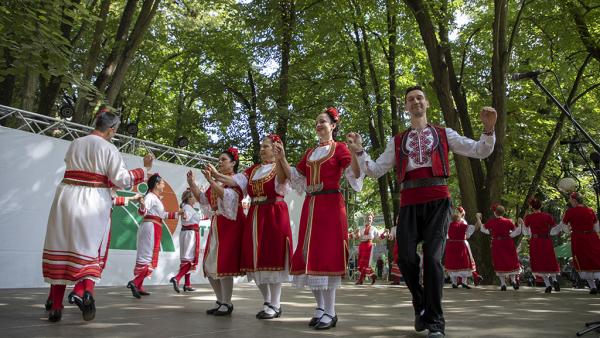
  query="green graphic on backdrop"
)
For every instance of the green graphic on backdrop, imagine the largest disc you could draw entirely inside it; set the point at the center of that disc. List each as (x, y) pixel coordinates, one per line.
(125, 224)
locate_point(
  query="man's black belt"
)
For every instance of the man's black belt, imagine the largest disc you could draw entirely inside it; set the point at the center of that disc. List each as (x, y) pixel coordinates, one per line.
(323, 192)
(423, 182)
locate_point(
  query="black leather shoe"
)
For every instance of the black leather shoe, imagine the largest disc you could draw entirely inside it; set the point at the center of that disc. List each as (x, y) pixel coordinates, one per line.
(134, 290)
(73, 298)
(454, 286)
(213, 310)
(175, 286)
(314, 320)
(420, 323)
(503, 288)
(326, 326)
(144, 293)
(220, 313)
(265, 315)
(435, 334)
(548, 289)
(515, 285)
(89, 307)
(262, 311)
(48, 305)
(556, 286)
(55, 316)
(188, 288)
(465, 286)
(593, 291)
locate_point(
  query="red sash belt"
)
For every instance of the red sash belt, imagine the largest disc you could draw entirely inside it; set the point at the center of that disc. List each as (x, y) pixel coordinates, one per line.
(153, 219)
(87, 179)
(190, 227)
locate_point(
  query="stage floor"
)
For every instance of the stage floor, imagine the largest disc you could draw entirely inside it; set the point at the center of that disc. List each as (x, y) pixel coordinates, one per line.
(364, 311)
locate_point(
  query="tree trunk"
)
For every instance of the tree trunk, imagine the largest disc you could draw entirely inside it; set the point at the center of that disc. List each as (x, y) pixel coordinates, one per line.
(253, 119)
(391, 7)
(111, 62)
(147, 13)
(83, 104)
(29, 86)
(7, 86)
(288, 18)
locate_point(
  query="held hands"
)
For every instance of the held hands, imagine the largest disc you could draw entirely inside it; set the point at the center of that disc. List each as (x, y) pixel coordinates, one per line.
(191, 178)
(138, 197)
(148, 159)
(520, 221)
(279, 151)
(354, 142)
(207, 174)
(488, 117)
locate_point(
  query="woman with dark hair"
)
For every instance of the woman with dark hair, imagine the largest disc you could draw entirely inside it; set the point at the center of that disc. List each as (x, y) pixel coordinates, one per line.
(223, 246)
(149, 234)
(321, 255)
(540, 226)
(189, 241)
(581, 221)
(504, 253)
(458, 260)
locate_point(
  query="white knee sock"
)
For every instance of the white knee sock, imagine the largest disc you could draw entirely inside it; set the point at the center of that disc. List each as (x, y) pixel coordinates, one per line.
(547, 281)
(454, 280)
(591, 283)
(502, 281)
(329, 298)
(265, 291)
(216, 286)
(275, 289)
(513, 279)
(227, 289)
(320, 303)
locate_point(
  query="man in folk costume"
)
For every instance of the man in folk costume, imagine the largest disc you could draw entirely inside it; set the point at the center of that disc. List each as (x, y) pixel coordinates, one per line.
(366, 235)
(76, 242)
(504, 253)
(540, 226)
(420, 155)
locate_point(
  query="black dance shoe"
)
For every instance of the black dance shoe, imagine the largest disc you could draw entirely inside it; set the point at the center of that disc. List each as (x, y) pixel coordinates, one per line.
(435, 334)
(314, 320)
(144, 293)
(213, 310)
(515, 285)
(262, 311)
(548, 289)
(55, 316)
(220, 313)
(593, 291)
(454, 286)
(134, 290)
(465, 286)
(188, 288)
(503, 288)
(48, 305)
(89, 307)
(73, 298)
(175, 286)
(326, 326)
(265, 315)
(556, 286)
(420, 323)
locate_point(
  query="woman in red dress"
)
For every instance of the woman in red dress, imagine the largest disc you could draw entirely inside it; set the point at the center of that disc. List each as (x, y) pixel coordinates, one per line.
(267, 241)
(504, 253)
(540, 226)
(458, 260)
(321, 255)
(224, 243)
(582, 222)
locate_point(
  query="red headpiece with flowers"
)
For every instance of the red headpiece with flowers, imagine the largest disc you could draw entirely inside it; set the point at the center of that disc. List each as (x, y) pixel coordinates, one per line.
(274, 138)
(333, 113)
(494, 206)
(234, 152)
(574, 195)
(460, 209)
(535, 203)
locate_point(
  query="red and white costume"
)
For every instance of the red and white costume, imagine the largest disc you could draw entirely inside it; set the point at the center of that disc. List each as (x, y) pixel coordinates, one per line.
(78, 230)
(223, 247)
(583, 225)
(321, 255)
(365, 249)
(540, 226)
(458, 259)
(395, 272)
(267, 241)
(189, 243)
(504, 253)
(149, 236)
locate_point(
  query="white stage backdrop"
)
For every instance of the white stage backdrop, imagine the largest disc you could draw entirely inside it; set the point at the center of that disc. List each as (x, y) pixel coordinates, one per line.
(31, 167)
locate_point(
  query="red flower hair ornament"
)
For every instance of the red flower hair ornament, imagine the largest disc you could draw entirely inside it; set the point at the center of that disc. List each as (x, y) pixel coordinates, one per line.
(274, 138)
(494, 206)
(234, 152)
(333, 113)
(574, 195)
(102, 110)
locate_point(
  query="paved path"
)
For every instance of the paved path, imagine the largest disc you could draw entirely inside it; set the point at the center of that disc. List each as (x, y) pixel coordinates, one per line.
(364, 311)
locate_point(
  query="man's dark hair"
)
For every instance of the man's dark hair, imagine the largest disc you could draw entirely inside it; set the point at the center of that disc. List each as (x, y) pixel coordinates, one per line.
(411, 88)
(105, 120)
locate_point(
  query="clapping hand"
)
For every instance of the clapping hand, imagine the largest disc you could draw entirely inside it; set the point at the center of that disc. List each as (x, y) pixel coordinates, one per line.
(488, 117)
(354, 142)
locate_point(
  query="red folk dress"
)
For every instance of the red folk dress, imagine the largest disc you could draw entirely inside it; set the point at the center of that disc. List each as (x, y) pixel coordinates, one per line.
(541, 250)
(322, 248)
(222, 254)
(585, 244)
(267, 240)
(458, 257)
(504, 253)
